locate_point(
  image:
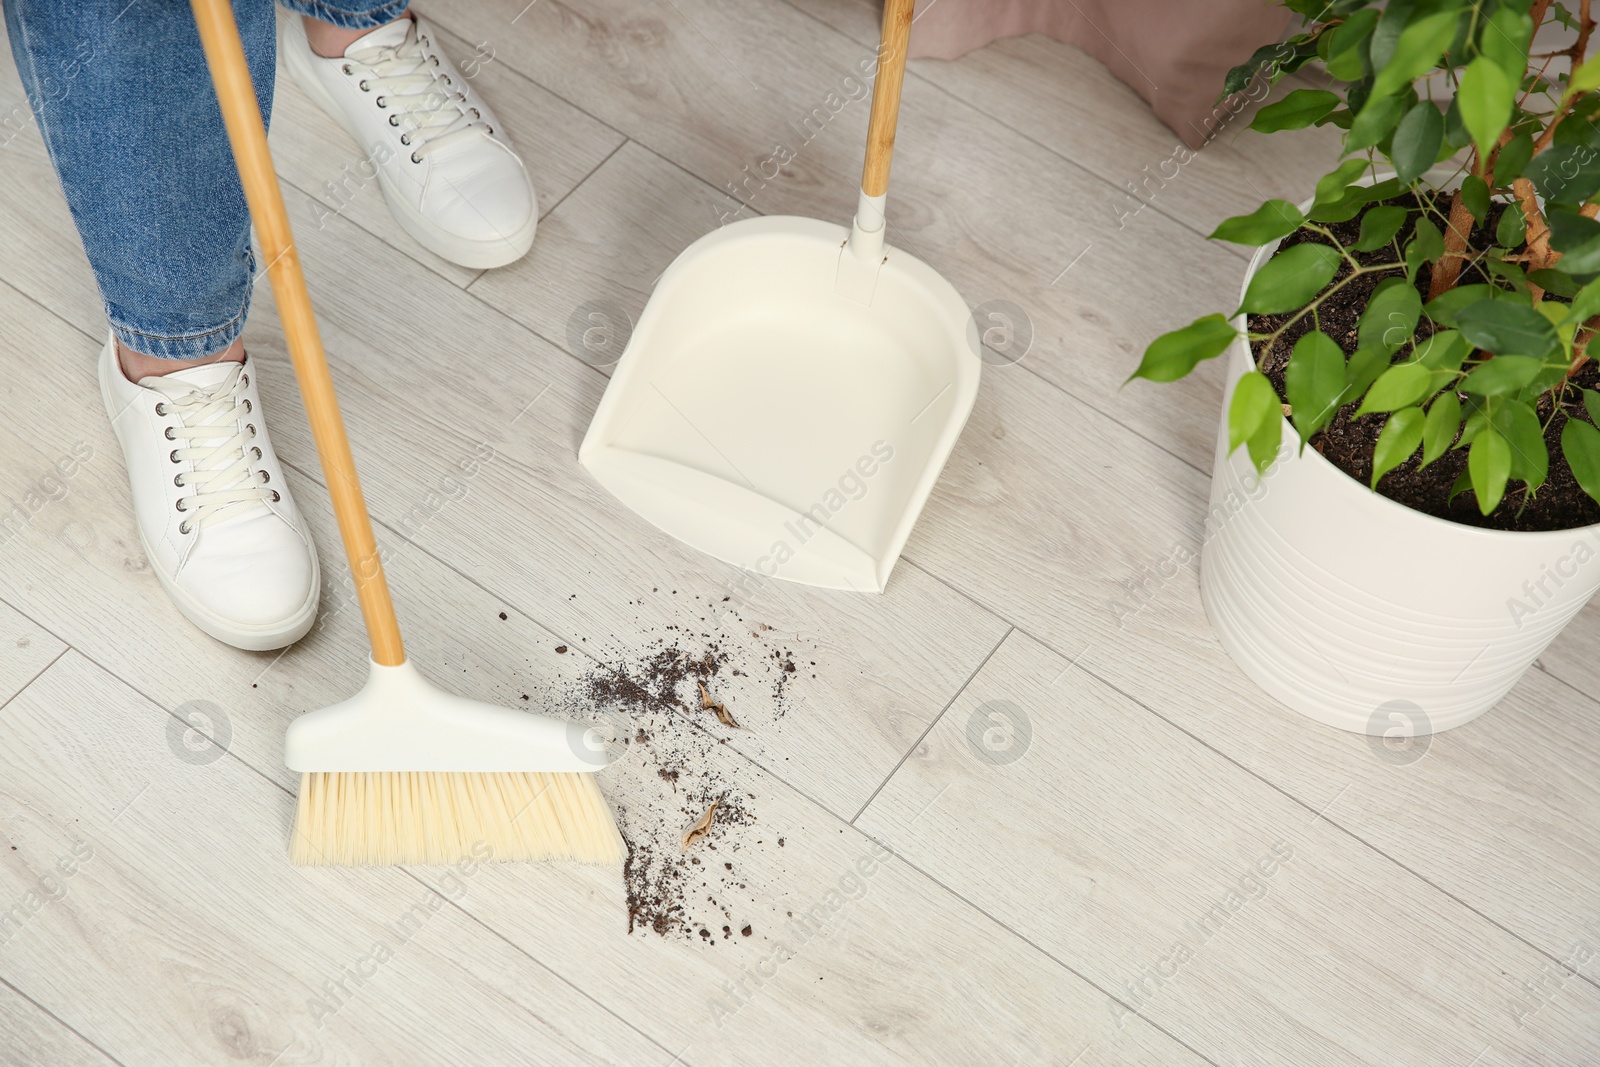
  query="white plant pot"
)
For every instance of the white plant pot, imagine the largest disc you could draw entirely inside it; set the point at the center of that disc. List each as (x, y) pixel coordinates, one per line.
(1358, 611)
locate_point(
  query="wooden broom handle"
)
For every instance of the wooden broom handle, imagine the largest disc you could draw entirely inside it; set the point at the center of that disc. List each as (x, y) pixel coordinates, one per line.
(219, 34)
(892, 45)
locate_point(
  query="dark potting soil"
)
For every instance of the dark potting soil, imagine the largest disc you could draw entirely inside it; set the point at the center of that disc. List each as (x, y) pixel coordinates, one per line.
(1347, 442)
(684, 874)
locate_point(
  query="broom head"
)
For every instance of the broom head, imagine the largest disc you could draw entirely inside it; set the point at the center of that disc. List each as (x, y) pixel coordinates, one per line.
(405, 773)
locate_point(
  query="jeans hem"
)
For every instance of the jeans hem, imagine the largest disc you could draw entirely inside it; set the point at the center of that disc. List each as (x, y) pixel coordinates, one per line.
(362, 18)
(182, 346)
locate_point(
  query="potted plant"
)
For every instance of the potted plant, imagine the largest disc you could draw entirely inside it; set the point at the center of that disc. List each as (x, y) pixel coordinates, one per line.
(1406, 501)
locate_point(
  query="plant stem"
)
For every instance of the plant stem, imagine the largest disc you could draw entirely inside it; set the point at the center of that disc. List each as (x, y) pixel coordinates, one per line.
(1447, 270)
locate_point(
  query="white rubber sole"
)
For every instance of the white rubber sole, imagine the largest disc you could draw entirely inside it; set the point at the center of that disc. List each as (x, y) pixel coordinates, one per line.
(477, 255)
(261, 637)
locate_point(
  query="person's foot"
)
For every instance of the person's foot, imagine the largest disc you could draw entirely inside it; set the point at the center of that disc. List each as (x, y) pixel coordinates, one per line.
(212, 506)
(444, 161)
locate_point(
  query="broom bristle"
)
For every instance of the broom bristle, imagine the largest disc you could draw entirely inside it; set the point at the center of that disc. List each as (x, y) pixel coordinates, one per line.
(382, 818)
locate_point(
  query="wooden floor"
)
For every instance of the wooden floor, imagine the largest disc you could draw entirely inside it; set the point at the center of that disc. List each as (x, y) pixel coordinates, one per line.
(1101, 898)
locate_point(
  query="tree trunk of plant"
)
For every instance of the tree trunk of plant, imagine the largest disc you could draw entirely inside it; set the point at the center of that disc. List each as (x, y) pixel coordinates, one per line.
(1445, 272)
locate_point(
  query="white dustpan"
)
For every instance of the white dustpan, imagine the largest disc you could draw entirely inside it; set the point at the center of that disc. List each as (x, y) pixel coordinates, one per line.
(793, 388)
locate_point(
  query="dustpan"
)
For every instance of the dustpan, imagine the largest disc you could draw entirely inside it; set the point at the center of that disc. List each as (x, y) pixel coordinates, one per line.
(794, 387)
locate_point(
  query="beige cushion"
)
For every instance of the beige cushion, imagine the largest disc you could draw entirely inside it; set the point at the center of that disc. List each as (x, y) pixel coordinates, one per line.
(1174, 53)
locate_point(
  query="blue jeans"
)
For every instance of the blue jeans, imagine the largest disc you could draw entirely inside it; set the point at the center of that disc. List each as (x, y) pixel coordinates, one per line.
(125, 104)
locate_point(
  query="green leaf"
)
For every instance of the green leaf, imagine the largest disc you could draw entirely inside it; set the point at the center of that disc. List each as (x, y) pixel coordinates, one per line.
(1585, 304)
(1314, 380)
(1271, 221)
(1489, 464)
(1507, 326)
(1378, 227)
(1439, 431)
(1375, 121)
(1172, 355)
(1401, 435)
(1269, 57)
(1429, 241)
(1343, 55)
(1577, 239)
(1362, 370)
(1399, 386)
(1558, 282)
(1254, 400)
(1591, 403)
(1391, 316)
(1486, 96)
(1513, 158)
(1444, 351)
(1501, 376)
(1580, 444)
(1263, 444)
(1444, 307)
(1462, 483)
(1332, 186)
(1255, 419)
(1419, 48)
(1295, 112)
(1475, 197)
(1416, 142)
(1519, 425)
(1585, 78)
(1505, 39)
(1566, 174)
(1512, 228)
(1289, 280)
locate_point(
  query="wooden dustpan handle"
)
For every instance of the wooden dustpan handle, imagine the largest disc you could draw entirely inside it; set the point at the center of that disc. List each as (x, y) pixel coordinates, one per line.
(892, 46)
(219, 34)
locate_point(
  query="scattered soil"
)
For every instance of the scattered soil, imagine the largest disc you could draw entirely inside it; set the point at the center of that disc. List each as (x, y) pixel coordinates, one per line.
(1347, 442)
(684, 822)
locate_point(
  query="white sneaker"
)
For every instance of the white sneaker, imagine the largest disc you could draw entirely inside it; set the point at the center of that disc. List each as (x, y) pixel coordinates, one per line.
(214, 512)
(444, 161)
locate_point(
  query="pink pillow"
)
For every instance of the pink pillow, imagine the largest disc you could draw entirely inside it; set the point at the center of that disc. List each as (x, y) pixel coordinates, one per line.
(1174, 53)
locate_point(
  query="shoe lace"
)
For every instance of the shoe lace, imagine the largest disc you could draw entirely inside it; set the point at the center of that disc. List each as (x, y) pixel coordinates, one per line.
(213, 435)
(413, 85)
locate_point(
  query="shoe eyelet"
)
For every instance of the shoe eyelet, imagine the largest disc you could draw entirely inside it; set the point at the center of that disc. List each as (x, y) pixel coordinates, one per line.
(257, 452)
(248, 407)
(477, 114)
(167, 433)
(435, 60)
(265, 477)
(380, 102)
(405, 138)
(173, 455)
(364, 86)
(447, 80)
(161, 409)
(491, 129)
(394, 120)
(180, 505)
(244, 379)
(346, 68)
(251, 427)
(275, 496)
(184, 527)
(415, 158)
(177, 480)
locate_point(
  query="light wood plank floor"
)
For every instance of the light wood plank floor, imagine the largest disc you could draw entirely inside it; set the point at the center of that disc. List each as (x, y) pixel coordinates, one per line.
(1171, 870)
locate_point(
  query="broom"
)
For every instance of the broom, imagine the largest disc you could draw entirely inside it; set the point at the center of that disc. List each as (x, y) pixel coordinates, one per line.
(402, 772)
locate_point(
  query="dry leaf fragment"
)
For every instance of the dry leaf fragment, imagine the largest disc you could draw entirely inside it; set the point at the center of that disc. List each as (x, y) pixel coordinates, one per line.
(724, 716)
(702, 825)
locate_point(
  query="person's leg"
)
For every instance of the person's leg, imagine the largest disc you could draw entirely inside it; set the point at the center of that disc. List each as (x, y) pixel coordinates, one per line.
(332, 28)
(445, 164)
(125, 104)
